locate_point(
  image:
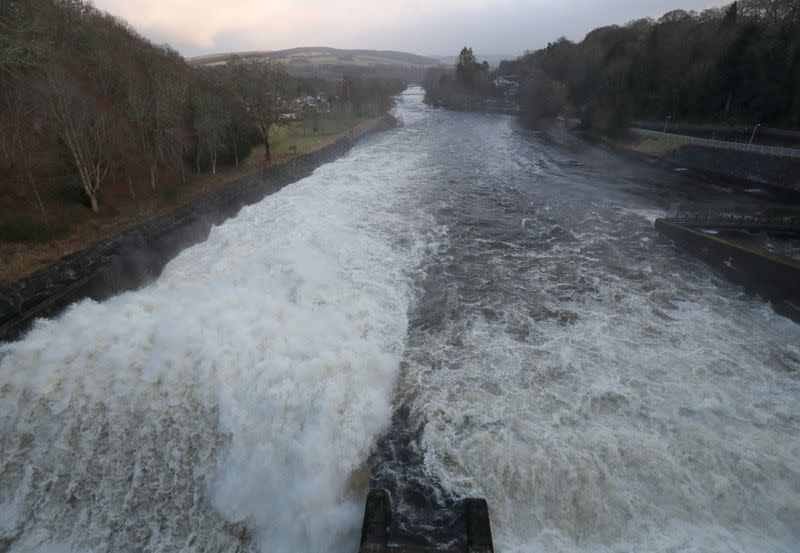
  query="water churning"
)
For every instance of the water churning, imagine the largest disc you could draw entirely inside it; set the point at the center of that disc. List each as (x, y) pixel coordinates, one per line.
(504, 291)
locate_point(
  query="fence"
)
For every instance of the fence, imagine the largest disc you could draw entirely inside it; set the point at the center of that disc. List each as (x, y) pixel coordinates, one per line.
(745, 131)
(722, 144)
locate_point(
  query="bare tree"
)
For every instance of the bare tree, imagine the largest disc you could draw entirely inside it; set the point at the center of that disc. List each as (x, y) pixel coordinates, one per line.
(155, 113)
(140, 107)
(212, 122)
(238, 129)
(19, 131)
(262, 88)
(84, 129)
(122, 157)
(233, 133)
(170, 107)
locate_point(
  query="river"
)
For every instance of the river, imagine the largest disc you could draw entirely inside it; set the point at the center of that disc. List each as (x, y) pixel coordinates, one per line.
(458, 307)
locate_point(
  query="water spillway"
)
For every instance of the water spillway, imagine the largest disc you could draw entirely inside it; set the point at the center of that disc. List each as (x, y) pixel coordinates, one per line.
(456, 308)
(228, 403)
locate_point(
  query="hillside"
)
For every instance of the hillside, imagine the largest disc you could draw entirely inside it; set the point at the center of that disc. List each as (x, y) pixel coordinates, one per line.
(322, 56)
(731, 65)
(100, 127)
(85, 100)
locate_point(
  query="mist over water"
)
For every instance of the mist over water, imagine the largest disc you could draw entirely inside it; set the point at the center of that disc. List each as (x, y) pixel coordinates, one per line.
(492, 302)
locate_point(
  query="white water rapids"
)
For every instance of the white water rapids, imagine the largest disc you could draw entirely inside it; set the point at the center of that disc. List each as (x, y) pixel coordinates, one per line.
(233, 397)
(602, 390)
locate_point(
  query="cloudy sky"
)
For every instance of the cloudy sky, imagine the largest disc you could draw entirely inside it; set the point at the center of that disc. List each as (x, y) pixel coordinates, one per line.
(439, 27)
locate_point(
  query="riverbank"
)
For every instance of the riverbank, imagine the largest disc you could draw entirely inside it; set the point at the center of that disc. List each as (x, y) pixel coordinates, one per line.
(72, 226)
(128, 251)
(748, 169)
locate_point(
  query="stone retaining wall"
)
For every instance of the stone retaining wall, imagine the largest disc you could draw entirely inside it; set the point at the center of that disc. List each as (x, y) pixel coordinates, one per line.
(773, 171)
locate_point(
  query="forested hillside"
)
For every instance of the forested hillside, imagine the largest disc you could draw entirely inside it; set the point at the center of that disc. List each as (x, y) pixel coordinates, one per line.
(90, 110)
(735, 64)
(738, 64)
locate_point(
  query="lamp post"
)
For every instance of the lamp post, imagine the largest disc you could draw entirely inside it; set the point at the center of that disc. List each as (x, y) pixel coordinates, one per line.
(667, 122)
(752, 136)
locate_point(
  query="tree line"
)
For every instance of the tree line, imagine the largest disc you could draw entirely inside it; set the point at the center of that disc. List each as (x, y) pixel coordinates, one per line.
(735, 64)
(463, 86)
(86, 102)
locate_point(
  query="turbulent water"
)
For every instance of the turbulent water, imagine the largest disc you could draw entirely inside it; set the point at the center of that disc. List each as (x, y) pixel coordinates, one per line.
(455, 308)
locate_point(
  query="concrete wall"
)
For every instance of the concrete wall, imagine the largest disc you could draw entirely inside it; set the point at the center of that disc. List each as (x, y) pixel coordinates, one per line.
(773, 171)
(135, 257)
(781, 174)
(773, 278)
(735, 133)
(745, 147)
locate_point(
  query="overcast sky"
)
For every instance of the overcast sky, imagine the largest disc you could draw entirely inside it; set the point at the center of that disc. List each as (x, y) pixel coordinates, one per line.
(438, 27)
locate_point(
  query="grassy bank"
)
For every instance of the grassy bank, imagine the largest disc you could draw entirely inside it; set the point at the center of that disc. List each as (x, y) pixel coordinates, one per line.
(30, 242)
(640, 146)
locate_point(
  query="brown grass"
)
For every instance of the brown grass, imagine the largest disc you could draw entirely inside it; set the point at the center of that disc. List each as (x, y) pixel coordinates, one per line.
(654, 146)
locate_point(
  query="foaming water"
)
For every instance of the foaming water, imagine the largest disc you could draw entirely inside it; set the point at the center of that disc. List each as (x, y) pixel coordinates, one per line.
(491, 307)
(231, 404)
(603, 391)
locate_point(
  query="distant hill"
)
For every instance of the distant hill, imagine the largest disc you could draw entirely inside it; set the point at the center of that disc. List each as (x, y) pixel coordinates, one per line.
(323, 56)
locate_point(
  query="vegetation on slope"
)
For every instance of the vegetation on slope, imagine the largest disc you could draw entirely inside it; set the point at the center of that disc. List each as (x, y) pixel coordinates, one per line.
(91, 112)
(735, 64)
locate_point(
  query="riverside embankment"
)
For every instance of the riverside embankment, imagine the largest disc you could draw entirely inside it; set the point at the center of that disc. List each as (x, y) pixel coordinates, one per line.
(735, 166)
(136, 256)
(733, 163)
(768, 276)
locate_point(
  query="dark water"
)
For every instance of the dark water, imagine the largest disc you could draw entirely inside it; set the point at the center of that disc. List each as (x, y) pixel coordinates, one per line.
(458, 307)
(571, 366)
